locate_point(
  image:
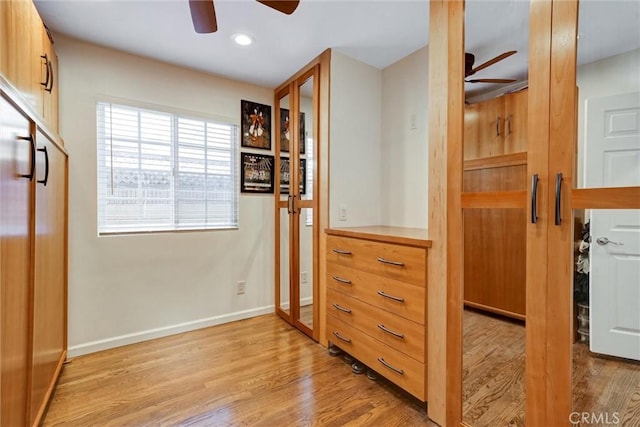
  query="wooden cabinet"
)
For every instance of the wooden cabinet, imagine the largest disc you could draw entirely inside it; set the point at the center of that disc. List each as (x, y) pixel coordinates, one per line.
(27, 58)
(33, 235)
(376, 301)
(496, 126)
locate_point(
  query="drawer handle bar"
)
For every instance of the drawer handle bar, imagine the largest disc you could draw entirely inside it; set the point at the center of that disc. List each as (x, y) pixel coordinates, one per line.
(342, 252)
(386, 261)
(345, 310)
(340, 337)
(341, 280)
(388, 365)
(389, 331)
(383, 294)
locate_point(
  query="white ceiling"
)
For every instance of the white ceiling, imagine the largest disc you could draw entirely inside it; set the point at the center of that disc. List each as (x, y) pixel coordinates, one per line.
(377, 32)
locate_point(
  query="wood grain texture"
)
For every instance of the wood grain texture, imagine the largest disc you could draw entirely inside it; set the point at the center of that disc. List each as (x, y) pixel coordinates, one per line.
(514, 159)
(382, 233)
(495, 199)
(484, 129)
(605, 198)
(515, 125)
(259, 371)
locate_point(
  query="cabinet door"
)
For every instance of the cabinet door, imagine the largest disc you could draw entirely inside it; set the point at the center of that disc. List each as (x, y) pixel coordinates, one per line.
(16, 159)
(49, 91)
(484, 123)
(515, 125)
(49, 296)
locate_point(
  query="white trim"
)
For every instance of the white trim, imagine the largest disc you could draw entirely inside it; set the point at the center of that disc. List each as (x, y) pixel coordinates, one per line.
(136, 337)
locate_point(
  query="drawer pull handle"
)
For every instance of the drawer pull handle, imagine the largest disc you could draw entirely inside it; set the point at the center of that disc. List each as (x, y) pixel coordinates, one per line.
(345, 310)
(342, 252)
(389, 331)
(341, 280)
(386, 261)
(383, 294)
(340, 337)
(388, 365)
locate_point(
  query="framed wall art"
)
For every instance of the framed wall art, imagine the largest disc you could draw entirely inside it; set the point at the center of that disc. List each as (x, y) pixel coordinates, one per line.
(256, 125)
(257, 173)
(285, 135)
(285, 175)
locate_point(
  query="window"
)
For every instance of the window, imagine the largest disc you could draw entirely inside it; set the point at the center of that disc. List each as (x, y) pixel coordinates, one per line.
(161, 171)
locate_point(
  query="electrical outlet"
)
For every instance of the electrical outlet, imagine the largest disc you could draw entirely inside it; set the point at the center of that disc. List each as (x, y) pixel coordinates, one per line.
(240, 287)
(342, 213)
(304, 277)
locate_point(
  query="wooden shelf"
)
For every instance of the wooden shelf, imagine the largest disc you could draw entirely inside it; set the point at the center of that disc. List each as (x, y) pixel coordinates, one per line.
(383, 233)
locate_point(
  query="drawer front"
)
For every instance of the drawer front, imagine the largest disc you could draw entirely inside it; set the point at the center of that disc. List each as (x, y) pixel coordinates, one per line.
(402, 334)
(398, 262)
(397, 297)
(388, 362)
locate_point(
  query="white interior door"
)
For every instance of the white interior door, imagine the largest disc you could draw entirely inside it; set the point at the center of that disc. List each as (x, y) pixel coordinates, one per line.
(612, 159)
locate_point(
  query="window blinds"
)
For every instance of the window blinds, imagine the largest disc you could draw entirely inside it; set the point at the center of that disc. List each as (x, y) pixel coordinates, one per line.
(160, 171)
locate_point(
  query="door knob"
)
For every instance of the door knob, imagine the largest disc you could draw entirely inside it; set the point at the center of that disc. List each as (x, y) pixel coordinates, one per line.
(605, 241)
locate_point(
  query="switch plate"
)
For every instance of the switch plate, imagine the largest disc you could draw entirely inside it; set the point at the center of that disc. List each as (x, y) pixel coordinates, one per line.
(342, 213)
(240, 287)
(304, 277)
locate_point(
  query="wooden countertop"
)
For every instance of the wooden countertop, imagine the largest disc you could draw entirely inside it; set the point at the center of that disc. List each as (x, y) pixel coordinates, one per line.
(383, 233)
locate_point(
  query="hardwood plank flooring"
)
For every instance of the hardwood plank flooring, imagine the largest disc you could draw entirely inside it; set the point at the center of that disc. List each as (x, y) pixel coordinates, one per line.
(257, 372)
(493, 377)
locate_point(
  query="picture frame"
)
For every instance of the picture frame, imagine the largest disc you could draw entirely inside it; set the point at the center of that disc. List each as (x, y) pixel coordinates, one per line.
(257, 174)
(284, 131)
(285, 175)
(256, 125)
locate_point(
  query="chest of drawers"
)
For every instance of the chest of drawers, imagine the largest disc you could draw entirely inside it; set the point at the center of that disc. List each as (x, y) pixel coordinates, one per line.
(376, 300)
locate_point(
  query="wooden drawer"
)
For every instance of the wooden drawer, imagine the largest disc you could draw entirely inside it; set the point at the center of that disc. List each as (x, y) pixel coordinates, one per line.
(401, 334)
(377, 258)
(399, 368)
(365, 287)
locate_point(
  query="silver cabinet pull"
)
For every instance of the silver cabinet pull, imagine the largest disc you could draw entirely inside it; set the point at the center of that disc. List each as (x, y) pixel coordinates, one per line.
(340, 337)
(339, 307)
(388, 365)
(605, 241)
(342, 252)
(389, 331)
(386, 261)
(386, 295)
(341, 280)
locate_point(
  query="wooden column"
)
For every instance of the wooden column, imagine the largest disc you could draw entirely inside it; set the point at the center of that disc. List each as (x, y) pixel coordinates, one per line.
(445, 263)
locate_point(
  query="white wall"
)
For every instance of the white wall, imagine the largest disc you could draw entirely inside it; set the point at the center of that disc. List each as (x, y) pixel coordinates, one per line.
(355, 152)
(610, 76)
(129, 288)
(405, 135)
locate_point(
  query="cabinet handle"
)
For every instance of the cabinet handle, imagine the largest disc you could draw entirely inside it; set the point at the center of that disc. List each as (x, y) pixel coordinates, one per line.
(289, 204)
(389, 331)
(509, 125)
(47, 76)
(341, 252)
(46, 166)
(498, 126)
(388, 365)
(344, 310)
(386, 261)
(293, 205)
(32, 170)
(386, 295)
(341, 280)
(50, 68)
(340, 337)
(534, 198)
(558, 191)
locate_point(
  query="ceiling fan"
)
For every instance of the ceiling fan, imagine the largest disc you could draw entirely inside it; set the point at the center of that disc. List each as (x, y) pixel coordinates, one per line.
(203, 13)
(469, 70)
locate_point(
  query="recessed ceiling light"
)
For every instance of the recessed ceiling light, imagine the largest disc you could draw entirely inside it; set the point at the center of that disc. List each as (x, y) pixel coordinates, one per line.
(242, 39)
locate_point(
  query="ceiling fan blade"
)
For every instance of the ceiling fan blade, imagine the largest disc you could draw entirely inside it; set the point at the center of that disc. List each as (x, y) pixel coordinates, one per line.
(284, 6)
(492, 61)
(491, 81)
(203, 16)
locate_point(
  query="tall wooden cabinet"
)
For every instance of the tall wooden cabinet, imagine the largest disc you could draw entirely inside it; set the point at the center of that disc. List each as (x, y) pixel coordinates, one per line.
(495, 144)
(33, 218)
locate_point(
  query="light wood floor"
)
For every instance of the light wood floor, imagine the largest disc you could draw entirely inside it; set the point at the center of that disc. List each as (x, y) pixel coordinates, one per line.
(493, 377)
(255, 372)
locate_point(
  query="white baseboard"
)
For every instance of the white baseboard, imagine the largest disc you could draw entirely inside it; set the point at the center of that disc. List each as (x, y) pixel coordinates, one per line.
(105, 344)
(303, 302)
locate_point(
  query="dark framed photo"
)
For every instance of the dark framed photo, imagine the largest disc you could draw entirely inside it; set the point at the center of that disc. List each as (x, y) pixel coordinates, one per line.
(285, 135)
(256, 125)
(257, 173)
(285, 175)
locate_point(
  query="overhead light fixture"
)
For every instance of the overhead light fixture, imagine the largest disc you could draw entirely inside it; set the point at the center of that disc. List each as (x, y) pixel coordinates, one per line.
(242, 39)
